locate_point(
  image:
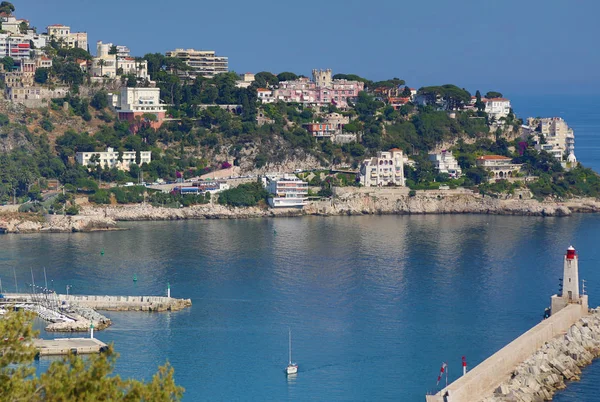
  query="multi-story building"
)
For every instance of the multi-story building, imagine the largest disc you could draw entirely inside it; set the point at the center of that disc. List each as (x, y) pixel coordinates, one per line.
(500, 167)
(245, 80)
(445, 162)
(331, 126)
(322, 90)
(110, 65)
(265, 95)
(320, 129)
(497, 107)
(110, 158)
(286, 191)
(556, 132)
(384, 170)
(63, 35)
(204, 63)
(137, 102)
(15, 46)
(11, 24)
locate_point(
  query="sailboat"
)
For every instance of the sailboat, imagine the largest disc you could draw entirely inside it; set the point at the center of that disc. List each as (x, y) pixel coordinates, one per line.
(292, 368)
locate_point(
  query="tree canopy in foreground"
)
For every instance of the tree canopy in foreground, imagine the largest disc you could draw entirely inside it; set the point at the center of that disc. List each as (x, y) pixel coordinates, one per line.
(73, 378)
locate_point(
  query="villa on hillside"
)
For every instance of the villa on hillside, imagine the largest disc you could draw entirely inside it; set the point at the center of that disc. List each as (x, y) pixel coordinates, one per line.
(287, 191)
(111, 159)
(384, 170)
(500, 167)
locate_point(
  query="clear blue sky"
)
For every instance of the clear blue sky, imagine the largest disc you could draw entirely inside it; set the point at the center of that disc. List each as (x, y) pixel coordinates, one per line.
(520, 47)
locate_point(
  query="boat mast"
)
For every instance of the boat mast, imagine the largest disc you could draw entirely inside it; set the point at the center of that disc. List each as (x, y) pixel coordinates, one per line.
(290, 345)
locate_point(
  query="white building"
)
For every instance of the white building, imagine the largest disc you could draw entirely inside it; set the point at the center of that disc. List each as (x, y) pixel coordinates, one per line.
(139, 101)
(265, 95)
(497, 107)
(286, 191)
(204, 63)
(120, 63)
(445, 162)
(384, 170)
(14, 46)
(11, 24)
(110, 158)
(557, 133)
(63, 34)
(500, 167)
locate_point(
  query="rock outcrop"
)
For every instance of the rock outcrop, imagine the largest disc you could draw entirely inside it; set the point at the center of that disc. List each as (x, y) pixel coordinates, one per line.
(346, 201)
(558, 361)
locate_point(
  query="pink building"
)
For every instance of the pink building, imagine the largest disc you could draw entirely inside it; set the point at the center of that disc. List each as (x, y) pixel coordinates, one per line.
(322, 90)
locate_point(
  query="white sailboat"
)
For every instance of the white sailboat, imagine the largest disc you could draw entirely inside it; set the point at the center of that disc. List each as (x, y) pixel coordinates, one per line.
(292, 368)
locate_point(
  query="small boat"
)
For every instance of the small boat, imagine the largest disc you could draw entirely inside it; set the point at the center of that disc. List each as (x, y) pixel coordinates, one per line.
(292, 368)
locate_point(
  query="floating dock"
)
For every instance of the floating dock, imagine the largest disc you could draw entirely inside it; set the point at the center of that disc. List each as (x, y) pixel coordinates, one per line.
(64, 346)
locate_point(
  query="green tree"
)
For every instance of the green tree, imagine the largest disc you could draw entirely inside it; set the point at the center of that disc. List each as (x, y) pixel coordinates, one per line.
(493, 94)
(23, 27)
(8, 63)
(7, 7)
(478, 102)
(265, 79)
(73, 378)
(41, 75)
(99, 100)
(113, 50)
(287, 76)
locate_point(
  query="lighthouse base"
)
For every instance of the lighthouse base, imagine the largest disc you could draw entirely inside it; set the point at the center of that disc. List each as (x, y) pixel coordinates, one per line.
(560, 302)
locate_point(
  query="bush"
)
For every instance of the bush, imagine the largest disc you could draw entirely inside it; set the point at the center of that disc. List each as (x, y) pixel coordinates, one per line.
(47, 125)
(412, 193)
(72, 210)
(100, 197)
(244, 195)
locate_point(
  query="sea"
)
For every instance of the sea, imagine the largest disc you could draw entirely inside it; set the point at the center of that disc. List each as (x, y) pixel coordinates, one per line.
(375, 304)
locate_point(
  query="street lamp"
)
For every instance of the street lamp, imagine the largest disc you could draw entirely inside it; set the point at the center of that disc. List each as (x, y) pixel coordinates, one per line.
(69, 287)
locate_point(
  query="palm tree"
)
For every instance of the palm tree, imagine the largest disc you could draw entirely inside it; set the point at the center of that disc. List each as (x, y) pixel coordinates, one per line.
(101, 63)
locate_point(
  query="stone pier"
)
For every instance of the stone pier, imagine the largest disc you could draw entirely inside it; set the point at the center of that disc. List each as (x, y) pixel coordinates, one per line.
(127, 303)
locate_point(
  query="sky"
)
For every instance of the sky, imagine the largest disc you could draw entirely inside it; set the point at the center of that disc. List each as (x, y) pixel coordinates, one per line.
(516, 47)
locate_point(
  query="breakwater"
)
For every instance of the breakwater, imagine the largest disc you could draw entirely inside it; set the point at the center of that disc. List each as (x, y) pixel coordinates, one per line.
(127, 303)
(555, 363)
(487, 377)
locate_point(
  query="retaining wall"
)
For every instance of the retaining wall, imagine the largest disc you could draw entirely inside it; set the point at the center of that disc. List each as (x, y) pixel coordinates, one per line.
(482, 380)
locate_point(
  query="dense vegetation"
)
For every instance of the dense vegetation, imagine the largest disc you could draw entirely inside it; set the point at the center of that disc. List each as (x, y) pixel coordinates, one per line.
(73, 378)
(244, 195)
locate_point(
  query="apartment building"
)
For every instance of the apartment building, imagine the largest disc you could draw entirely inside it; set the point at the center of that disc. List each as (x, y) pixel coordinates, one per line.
(63, 34)
(204, 63)
(384, 170)
(130, 103)
(445, 162)
(286, 191)
(15, 46)
(110, 158)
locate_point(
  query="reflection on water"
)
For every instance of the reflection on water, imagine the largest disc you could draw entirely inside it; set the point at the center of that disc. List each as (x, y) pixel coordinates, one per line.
(375, 303)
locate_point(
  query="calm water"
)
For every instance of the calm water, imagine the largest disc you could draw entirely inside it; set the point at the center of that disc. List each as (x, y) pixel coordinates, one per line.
(375, 303)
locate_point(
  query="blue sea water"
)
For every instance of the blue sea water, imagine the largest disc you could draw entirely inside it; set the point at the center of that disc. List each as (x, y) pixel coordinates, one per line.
(375, 303)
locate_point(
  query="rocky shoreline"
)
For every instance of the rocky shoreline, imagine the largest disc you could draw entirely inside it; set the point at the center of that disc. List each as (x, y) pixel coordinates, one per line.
(346, 201)
(558, 361)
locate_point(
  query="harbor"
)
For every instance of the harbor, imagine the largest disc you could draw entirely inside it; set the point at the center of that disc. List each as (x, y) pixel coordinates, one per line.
(75, 313)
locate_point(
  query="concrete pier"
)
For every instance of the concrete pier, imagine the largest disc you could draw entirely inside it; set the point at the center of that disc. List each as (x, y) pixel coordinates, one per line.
(75, 313)
(127, 303)
(64, 346)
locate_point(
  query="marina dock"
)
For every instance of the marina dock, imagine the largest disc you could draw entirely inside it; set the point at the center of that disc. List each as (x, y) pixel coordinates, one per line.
(64, 346)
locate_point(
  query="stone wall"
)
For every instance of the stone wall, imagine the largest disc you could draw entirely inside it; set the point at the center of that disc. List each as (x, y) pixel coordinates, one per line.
(481, 382)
